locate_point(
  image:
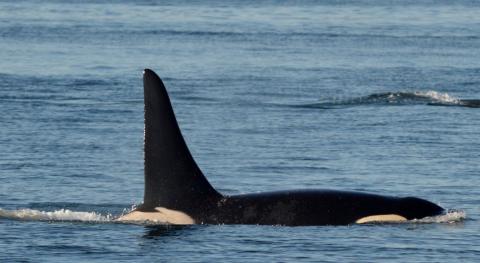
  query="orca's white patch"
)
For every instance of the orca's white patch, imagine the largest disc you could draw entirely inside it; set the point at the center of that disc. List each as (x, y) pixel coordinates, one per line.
(160, 215)
(381, 218)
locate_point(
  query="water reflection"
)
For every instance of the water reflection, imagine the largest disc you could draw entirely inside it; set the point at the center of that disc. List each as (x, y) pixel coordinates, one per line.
(156, 231)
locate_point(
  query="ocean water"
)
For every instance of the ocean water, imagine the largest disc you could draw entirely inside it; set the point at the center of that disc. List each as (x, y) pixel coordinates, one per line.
(375, 96)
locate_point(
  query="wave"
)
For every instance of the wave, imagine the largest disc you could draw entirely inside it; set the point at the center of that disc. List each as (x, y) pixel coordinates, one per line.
(65, 215)
(60, 215)
(451, 216)
(432, 98)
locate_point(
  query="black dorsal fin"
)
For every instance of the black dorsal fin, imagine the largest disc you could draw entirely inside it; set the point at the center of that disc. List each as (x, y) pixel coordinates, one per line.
(172, 178)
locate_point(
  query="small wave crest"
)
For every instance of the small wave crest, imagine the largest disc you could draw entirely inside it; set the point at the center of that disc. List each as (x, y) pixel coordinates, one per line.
(66, 215)
(438, 96)
(431, 97)
(57, 215)
(451, 216)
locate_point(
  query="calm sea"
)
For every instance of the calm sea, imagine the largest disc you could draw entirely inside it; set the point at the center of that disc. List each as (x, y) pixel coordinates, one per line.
(347, 95)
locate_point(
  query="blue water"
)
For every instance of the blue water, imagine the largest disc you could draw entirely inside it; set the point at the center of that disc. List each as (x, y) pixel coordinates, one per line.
(343, 95)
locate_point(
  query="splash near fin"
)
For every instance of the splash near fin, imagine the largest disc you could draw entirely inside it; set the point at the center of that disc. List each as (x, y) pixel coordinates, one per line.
(172, 178)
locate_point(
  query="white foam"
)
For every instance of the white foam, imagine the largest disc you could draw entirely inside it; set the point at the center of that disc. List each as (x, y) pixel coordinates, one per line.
(66, 215)
(57, 215)
(452, 216)
(438, 96)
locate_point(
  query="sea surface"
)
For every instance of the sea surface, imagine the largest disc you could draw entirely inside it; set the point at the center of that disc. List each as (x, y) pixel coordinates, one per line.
(376, 96)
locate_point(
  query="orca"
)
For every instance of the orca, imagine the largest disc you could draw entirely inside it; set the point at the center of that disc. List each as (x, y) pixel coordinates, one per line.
(177, 192)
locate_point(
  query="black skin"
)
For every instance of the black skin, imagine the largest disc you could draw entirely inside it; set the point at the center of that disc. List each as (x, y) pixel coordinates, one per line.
(174, 181)
(317, 207)
(305, 208)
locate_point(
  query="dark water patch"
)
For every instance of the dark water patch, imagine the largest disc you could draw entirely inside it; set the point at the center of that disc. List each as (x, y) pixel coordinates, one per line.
(16, 166)
(46, 82)
(307, 158)
(71, 249)
(470, 83)
(166, 231)
(203, 81)
(193, 98)
(113, 112)
(282, 169)
(43, 98)
(88, 82)
(63, 91)
(100, 68)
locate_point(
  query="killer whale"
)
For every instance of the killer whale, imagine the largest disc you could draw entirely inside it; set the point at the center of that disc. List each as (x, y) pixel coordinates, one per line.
(177, 192)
